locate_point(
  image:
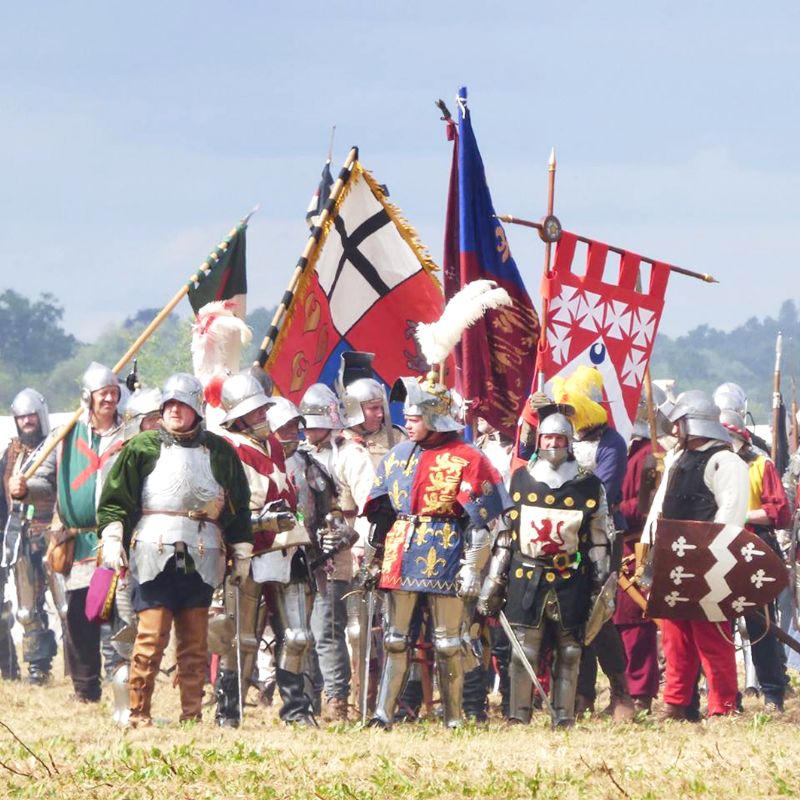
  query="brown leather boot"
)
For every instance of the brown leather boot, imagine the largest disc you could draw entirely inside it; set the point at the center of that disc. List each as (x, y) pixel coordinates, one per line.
(335, 709)
(152, 635)
(672, 712)
(583, 704)
(191, 640)
(642, 702)
(620, 707)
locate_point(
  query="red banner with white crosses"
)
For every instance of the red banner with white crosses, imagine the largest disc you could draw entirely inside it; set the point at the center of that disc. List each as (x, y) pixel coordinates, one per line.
(605, 324)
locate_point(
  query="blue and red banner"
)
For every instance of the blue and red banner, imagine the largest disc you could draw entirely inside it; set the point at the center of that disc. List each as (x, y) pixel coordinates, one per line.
(496, 358)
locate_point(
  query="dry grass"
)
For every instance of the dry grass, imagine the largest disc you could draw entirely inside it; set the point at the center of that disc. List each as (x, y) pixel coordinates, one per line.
(75, 751)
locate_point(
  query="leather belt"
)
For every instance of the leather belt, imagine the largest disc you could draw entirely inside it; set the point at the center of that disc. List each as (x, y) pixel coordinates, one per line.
(558, 561)
(424, 518)
(198, 516)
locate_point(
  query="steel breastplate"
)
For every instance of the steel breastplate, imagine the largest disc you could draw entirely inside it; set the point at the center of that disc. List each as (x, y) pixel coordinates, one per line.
(181, 499)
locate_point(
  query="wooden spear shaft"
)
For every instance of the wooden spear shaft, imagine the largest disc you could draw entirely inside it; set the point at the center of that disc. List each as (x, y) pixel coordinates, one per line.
(551, 193)
(311, 246)
(198, 276)
(776, 397)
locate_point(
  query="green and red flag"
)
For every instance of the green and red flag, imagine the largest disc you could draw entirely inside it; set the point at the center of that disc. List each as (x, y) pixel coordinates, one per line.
(226, 278)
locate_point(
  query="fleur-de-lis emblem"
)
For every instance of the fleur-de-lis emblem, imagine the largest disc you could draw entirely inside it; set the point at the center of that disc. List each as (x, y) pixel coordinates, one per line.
(431, 563)
(397, 494)
(422, 534)
(448, 535)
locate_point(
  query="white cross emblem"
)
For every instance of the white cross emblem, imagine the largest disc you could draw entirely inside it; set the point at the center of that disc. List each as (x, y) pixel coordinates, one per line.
(673, 598)
(680, 546)
(678, 575)
(749, 550)
(739, 604)
(760, 578)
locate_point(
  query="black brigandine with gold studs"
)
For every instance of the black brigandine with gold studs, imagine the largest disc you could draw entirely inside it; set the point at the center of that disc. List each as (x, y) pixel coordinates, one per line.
(550, 548)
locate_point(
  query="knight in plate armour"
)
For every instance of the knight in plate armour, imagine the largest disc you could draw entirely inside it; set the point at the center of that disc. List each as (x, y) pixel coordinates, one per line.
(24, 544)
(174, 502)
(279, 573)
(433, 498)
(550, 560)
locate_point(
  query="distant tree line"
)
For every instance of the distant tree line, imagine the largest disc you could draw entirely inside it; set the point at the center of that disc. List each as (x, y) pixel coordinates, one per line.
(35, 350)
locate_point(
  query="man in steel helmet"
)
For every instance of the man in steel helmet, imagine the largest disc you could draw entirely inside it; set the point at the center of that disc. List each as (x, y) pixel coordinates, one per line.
(322, 412)
(549, 560)
(708, 482)
(175, 499)
(433, 498)
(283, 573)
(85, 457)
(366, 439)
(768, 510)
(24, 547)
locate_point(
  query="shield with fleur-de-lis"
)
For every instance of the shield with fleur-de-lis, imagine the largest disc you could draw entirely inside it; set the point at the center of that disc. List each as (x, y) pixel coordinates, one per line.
(709, 571)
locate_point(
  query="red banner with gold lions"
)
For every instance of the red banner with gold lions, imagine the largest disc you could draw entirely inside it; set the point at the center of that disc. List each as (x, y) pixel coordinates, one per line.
(370, 282)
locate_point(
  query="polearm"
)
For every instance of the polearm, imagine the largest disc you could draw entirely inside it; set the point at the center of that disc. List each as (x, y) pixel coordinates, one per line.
(703, 276)
(195, 279)
(776, 398)
(307, 257)
(551, 192)
(794, 416)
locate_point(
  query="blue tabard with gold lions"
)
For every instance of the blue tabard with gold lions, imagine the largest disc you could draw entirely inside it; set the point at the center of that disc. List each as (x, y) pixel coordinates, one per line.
(435, 492)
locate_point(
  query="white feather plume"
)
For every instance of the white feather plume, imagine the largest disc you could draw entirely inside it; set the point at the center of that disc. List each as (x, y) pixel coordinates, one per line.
(466, 307)
(217, 339)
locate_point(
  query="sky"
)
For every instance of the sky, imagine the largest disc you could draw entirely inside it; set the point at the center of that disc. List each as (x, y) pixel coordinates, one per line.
(134, 136)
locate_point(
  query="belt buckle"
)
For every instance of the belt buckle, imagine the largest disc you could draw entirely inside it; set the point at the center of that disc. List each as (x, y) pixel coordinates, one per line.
(561, 560)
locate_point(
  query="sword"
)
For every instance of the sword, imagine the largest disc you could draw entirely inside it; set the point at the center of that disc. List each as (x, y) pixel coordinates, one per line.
(516, 646)
(363, 684)
(238, 653)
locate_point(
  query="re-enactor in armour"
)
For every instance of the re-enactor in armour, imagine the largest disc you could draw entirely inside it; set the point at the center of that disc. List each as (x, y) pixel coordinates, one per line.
(174, 502)
(553, 557)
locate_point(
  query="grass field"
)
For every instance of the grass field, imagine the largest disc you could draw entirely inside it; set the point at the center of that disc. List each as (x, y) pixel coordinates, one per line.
(66, 750)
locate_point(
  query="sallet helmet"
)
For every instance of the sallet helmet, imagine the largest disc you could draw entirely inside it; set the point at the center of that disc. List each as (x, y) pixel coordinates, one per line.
(701, 415)
(29, 401)
(320, 407)
(731, 396)
(186, 389)
(242, 394)
(281, 412)
(97, 376)
(662, 406)
(141, 403)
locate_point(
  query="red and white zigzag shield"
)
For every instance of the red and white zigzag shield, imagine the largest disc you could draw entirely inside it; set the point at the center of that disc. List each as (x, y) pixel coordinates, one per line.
(708, 571)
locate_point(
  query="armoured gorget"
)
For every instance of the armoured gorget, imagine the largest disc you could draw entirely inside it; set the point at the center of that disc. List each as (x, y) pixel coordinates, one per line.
(181, 502)
(555, 477)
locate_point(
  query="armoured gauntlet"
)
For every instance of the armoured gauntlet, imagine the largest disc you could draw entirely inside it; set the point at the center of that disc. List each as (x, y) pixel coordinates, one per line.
(492, 595)
(370, 570)
(337, 535)
(468, 580)
(274, 518)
